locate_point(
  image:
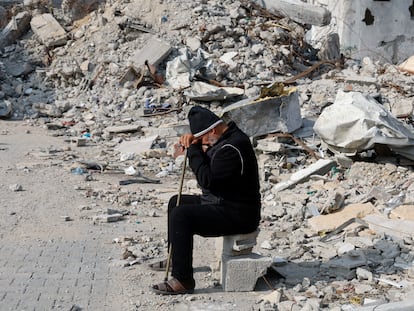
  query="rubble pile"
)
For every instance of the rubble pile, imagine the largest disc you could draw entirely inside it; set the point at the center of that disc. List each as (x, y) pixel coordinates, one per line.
(122, 75)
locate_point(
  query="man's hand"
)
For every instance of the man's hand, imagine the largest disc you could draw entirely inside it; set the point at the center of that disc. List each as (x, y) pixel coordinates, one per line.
(188, 139)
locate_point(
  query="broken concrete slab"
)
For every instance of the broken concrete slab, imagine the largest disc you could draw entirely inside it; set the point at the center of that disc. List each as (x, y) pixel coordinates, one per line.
(136, 146)
(320, 167)
(17, 69)
(392, 227)
(294, 272)
(207, 92)
(303, 13)
(48, 30)
(403, 212)
(407, 305)
(154, 51)
(17, 26)
(261, 116)
(327, 223)
(344, 267)
(123, 128)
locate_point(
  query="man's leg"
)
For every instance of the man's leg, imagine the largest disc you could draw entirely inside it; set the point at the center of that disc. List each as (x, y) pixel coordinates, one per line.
(204, 220)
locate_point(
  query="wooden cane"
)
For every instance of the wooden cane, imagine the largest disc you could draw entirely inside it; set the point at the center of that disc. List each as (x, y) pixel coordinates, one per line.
(180, 190)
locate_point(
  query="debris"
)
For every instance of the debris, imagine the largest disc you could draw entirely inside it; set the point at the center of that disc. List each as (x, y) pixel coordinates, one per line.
(5, 109)
(206, 92)
(16, 187)
(17, 26)
(339, 220)
(108, 218)
(136, 146)
(407, 65)
(154, 51)
(122, 129)
(322, 166)
(396, 228)
(48, 30)
(300, 12)
(355, 123)
(261, 116)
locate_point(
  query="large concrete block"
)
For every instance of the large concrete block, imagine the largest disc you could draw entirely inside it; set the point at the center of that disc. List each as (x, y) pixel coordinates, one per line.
(48, 30)
(261, 116)
(154, 51)
(240, 273)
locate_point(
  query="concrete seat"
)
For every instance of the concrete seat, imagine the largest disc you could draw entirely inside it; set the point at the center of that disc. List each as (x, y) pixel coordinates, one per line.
(239, 267)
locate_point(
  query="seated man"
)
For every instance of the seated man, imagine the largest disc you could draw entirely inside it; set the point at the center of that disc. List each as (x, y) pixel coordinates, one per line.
(223, 160)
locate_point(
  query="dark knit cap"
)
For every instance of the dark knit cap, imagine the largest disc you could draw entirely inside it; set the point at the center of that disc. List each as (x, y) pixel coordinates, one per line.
(202, 120)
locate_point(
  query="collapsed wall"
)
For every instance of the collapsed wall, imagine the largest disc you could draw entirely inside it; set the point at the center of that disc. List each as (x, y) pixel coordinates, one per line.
(380, 29)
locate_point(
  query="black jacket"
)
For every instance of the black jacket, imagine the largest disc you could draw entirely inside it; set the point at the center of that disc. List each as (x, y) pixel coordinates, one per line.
(228, 171)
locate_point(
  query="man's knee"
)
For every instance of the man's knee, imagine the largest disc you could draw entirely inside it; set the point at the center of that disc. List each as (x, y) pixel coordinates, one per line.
(172, 203)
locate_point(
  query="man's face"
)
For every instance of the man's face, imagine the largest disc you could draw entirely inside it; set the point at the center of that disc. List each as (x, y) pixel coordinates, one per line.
(209, 138)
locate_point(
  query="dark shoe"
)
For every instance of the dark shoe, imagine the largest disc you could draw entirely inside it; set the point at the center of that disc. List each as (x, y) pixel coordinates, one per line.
(174, 287)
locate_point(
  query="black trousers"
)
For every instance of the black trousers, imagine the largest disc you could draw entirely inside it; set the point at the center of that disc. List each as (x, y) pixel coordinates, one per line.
(208, 220)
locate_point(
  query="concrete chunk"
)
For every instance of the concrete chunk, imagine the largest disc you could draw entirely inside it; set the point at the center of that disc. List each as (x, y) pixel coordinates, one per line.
(320, 167)
(396, 228)
(235, 245)
(298, 11)
(154, 51)
(268, 115)
(18, 25)
(240, 274)
(343, 267)
(332, 221)
(48, 30)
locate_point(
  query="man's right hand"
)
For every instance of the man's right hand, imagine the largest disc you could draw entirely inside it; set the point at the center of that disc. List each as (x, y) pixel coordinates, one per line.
(188, 139)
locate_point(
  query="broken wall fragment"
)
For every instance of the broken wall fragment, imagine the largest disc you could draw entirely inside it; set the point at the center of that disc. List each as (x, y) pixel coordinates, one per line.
(261, 116)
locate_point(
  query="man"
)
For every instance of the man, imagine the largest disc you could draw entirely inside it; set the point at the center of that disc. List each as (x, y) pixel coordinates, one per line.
(223, 160)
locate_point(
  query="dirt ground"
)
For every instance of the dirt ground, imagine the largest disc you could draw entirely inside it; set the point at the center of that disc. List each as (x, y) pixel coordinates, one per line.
(51, 206)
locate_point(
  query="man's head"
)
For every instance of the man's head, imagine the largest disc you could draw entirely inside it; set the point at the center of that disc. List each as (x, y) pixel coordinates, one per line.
(205, 125)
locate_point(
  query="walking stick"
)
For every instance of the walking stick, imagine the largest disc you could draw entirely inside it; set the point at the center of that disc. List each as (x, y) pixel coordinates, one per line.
(180, 190)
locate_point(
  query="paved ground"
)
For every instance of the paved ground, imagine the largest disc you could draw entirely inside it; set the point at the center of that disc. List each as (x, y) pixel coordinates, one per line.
(48, 263)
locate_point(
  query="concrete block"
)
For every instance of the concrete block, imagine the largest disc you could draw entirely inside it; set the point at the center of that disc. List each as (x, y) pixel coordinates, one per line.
(233, 245)
(239, 244)
(320, 167)
(298, 11)
(240, 273)
(48, 30)
(261, 116)
(18, 25)
(154, 51)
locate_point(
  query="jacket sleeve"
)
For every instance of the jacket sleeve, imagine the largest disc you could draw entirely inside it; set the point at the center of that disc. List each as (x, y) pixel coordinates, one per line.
(226, 164)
